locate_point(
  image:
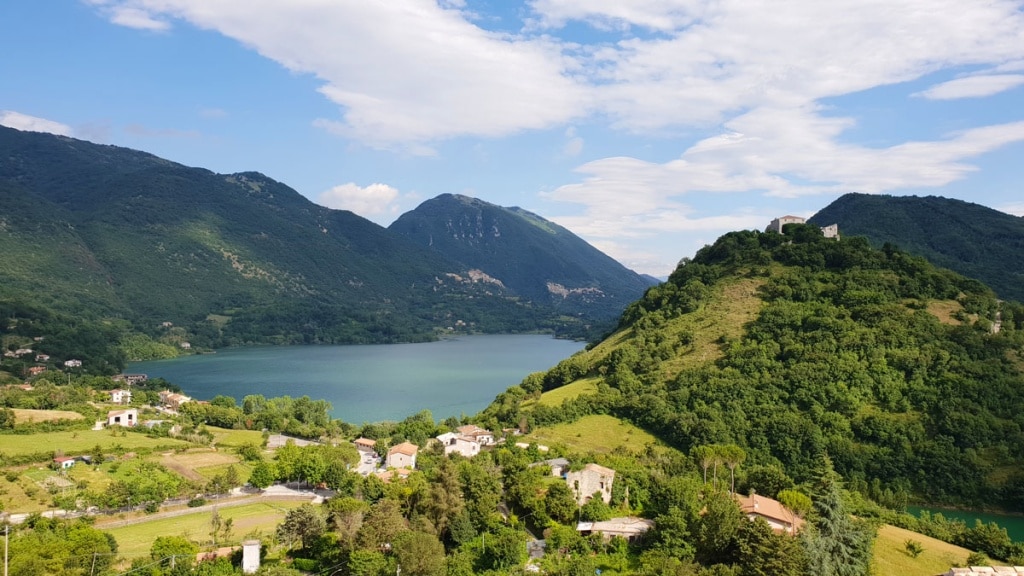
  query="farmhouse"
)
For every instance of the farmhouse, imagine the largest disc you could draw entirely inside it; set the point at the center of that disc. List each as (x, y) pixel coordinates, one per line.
(459, 444)
(130, 379)
(365, 444)
(173, 400)
(629, 527)
(120, 396)
(63, 462)
(780, 518)
(128, 417)
(592, 479)
(477, 434)
(402, 456)
(36, 370)
(72, 363)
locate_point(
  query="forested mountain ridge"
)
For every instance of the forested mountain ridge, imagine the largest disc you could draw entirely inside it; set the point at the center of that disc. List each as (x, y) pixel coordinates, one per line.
(107, 233)
(533, 257)
(974, 240)
(793, 347)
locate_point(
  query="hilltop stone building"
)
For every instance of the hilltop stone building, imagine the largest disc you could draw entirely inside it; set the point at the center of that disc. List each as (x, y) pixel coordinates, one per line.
(591, 480)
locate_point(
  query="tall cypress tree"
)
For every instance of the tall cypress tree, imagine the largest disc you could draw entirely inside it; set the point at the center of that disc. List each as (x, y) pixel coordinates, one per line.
(836, 543)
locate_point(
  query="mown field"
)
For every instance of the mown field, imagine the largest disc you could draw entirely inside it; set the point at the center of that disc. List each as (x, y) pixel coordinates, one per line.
(76, 442)
(25, 416)
(891, 557)
(596, 433)
(250, 520)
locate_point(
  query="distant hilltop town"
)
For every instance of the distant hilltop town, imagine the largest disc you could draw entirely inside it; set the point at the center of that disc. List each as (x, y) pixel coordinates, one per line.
(830, 231)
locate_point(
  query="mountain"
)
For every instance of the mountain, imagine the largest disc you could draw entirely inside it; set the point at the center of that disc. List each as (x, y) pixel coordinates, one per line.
(533, 257)
(974, 240)
(791, 347)
(104, 233)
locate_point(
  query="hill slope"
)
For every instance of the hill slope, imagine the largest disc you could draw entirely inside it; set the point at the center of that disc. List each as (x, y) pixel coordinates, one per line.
(793, 347)
(974, 240)
(106, 232)
(529, 255)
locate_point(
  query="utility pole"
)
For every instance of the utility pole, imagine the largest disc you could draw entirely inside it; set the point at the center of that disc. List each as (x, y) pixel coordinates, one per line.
(7, 530)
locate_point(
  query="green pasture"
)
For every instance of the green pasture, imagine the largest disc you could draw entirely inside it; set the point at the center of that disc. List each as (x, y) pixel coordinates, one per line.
(891, 556)
(249, 520)
(595, 433)
(76, 442)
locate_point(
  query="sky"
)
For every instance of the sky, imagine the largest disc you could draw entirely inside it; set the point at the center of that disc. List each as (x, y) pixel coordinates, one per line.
(647, 127)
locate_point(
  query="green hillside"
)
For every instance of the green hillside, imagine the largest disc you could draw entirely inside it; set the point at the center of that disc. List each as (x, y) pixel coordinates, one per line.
(974, 240)
(529, 255)
(793, 347)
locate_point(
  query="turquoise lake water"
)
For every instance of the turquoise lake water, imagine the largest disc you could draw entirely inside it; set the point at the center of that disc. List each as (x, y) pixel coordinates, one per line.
(1014, 524)
(371, 383)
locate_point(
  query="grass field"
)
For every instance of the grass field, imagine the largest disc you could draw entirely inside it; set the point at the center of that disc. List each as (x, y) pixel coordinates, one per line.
(577, 388)
(249, 519)
(75, 442)
(597, 433)
(234, 438)
(891, 557)
(23, 416)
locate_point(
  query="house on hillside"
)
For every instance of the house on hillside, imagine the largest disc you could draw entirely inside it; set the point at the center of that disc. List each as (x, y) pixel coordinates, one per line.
(72, 363)
(592, 479)
(477, 434)
(63, 462)
(119, 396)
(776, 225)
(459, 444)
(173, 400)
(129, 417)
(130, 379)
(780, 518)
(365, 445)
(630, 528)
(558, 466)
(36, 370)
(402, 456)
(42, 357)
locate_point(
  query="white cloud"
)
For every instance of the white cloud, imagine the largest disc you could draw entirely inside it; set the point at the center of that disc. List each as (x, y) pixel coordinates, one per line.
(213, 113)
(403, 71)
(373, 201)
(973, 87)
(19, 121)
(1015, 208)
(573, 144)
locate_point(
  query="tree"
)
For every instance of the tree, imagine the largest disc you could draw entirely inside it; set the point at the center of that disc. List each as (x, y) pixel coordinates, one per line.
(507, 548)
(303, 524)
(733, 456)
(419, 554)
(381, 524)
(796, 501)
(836, 543)
(173, 550)
(263, 474)
(559, 503)
(762, 552)
(913, 547)
(6, 419)
(717, 528)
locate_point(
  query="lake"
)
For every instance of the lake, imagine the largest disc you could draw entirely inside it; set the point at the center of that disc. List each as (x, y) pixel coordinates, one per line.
(1014, 524)
(371, 383)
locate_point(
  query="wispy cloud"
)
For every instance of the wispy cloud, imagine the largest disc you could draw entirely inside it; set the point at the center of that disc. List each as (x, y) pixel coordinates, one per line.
(1015, 208)
(973, 87)
(20, 121)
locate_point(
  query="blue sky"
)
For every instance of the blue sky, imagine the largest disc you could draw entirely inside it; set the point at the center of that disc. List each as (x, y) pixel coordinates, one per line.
(647, 127)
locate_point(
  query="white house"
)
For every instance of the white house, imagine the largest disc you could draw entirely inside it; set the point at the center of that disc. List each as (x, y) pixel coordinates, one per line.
(402, 456)
(64, 462)
(459, 444)
(72, 363)
(120, 396)
(592, 479)
(477, 434)
(129, 417)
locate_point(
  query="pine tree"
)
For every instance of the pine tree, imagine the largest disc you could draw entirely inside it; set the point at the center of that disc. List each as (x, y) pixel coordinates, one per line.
(836, 543)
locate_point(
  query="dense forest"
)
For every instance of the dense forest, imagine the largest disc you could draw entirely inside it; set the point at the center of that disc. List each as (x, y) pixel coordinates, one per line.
(907, 376)
(969, 238)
